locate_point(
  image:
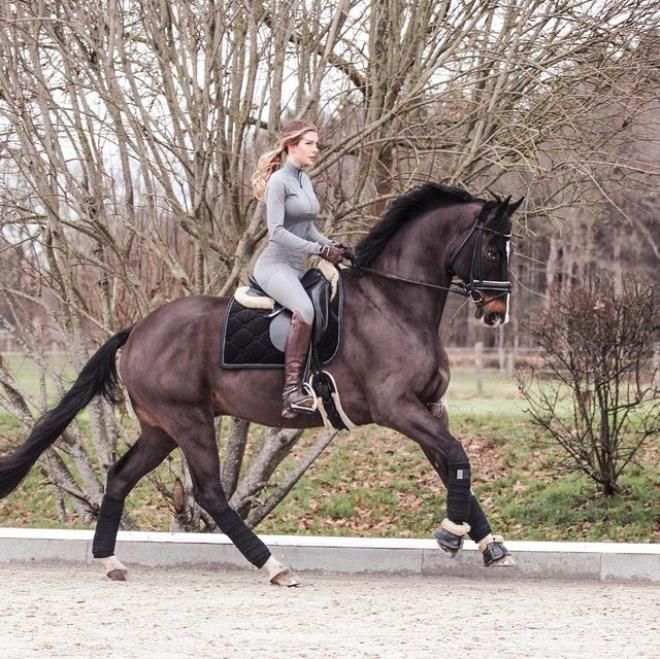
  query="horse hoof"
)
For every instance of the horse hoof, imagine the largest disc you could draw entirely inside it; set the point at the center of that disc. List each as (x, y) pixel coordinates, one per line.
(495, 552)
(506, 561)
(279, 574)
(117, 575)
(450, 536)
(115, 570)
(286, 579)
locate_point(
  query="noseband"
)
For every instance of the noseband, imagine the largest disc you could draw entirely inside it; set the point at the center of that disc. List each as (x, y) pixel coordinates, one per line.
(474, 287)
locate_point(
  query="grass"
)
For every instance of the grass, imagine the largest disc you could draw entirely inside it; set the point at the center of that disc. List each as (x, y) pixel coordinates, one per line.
(379, 484)
(374, 482)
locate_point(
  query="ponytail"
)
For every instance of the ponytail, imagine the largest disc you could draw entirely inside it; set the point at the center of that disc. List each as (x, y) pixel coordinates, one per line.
(268, 163)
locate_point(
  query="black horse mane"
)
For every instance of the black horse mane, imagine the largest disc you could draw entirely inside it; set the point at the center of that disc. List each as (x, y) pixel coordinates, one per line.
(412, 204)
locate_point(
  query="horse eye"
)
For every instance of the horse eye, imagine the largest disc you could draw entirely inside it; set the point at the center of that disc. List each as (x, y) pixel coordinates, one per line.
(491, 254)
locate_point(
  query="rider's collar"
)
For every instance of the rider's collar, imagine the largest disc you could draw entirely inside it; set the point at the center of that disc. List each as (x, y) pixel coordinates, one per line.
(290, 166)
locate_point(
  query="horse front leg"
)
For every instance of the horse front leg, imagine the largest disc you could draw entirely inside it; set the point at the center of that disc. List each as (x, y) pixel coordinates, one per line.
(452, 464)
(491, 546)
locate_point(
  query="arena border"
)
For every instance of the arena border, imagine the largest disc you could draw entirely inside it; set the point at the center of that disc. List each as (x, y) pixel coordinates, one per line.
(639, 563)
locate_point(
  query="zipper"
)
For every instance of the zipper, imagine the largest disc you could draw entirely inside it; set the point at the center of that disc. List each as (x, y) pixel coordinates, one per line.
(309, 201)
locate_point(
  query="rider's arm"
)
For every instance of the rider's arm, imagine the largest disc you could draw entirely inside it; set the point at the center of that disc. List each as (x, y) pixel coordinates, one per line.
(275, 196)
(317, 236)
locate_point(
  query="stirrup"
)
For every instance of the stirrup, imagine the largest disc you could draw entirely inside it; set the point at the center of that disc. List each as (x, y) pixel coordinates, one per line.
(293, 409)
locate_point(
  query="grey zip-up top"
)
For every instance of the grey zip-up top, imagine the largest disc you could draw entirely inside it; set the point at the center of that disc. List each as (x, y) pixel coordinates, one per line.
(291, 208)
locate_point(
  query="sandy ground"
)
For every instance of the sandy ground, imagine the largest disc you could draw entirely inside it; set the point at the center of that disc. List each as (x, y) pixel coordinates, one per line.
(55, 611)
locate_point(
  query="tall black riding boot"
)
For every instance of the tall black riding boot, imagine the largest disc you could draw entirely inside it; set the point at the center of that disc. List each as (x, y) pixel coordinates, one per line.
(294, 398)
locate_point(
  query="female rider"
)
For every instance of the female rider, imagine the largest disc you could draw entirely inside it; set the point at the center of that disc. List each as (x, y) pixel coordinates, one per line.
(291, 207)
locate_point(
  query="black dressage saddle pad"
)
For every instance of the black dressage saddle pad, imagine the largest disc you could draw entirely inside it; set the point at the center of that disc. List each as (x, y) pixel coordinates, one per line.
(248, 336)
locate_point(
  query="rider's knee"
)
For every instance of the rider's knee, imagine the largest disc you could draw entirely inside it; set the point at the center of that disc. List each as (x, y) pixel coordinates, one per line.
(306, 310)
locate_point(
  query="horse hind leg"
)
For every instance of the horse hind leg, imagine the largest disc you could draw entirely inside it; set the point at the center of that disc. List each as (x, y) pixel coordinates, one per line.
(198, 443)
(151, 448)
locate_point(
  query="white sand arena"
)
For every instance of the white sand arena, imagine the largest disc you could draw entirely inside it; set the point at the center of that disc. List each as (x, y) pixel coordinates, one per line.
(56, 611)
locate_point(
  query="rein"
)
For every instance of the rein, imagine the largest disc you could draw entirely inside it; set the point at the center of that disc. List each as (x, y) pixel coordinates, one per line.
(454, 287)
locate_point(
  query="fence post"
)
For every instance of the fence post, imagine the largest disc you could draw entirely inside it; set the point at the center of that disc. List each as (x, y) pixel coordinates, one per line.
(479, 366)
(501, 352)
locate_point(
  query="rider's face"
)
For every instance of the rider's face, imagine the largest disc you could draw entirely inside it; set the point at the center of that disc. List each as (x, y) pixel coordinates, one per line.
(304, 153)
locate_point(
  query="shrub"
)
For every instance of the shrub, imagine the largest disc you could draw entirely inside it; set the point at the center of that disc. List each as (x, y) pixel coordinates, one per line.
(595, 392)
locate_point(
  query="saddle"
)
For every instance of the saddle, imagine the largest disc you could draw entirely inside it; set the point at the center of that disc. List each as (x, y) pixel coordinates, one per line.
(256, 327)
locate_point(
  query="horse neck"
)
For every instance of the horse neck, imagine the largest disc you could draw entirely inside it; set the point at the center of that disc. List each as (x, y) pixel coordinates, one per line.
(420, 251)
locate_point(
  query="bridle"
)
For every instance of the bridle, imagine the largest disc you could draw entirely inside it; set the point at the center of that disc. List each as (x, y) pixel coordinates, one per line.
(476, 285)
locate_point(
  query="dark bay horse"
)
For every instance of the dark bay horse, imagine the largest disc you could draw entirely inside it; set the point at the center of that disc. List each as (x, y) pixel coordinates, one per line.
(390, 370)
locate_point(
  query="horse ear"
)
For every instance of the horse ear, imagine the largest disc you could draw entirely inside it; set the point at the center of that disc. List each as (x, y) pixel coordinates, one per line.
(502, 210)
(515, 205)
(501, 220)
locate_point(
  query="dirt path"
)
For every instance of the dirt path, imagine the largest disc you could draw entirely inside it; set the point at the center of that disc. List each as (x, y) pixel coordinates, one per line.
(55, 611)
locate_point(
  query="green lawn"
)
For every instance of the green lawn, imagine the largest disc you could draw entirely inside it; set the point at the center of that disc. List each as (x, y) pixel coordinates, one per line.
(31, 378)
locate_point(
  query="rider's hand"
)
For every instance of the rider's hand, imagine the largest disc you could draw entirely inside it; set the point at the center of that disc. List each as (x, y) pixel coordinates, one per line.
(348, 250)
(331, 253)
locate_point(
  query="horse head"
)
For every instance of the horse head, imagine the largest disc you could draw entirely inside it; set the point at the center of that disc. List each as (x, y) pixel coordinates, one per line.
(481, 260)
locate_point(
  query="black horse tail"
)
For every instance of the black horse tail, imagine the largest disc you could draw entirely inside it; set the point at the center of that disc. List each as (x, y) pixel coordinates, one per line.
(98, 377)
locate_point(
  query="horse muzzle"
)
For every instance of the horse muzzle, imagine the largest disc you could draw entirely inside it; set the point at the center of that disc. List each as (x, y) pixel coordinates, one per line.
(493, 311)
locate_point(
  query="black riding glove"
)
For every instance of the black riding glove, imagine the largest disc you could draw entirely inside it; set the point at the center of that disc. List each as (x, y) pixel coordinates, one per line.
(331, 253)
(348, 251)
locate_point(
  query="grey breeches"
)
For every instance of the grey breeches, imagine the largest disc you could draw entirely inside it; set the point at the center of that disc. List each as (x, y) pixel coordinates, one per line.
(282, 283)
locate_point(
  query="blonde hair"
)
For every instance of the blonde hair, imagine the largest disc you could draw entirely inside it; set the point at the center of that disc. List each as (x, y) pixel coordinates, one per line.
(271, 161)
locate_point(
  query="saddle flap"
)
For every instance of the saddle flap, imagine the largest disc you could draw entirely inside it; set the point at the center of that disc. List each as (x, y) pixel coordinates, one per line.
(256, 338)
(318, 289)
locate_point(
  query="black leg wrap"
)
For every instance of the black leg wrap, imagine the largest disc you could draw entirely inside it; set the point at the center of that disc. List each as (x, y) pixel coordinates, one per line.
(245, 539)
(479, 526)
(107, 526)
(458, 492)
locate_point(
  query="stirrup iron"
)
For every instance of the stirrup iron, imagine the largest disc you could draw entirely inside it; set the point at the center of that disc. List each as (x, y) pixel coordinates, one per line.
(291, 410)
